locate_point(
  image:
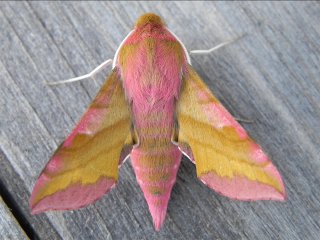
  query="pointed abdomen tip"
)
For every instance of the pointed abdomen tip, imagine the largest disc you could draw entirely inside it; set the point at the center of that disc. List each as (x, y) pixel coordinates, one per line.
(158, 215)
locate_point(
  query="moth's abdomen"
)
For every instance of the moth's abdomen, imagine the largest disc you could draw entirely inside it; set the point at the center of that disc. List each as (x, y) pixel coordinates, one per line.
(156, 159)
(156, 171)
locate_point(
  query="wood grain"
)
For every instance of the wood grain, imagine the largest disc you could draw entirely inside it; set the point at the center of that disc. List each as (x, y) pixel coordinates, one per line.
(271, 76)
(9, 227)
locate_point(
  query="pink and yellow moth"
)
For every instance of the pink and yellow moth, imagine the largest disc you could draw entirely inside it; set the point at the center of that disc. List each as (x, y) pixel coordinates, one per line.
(154, 108)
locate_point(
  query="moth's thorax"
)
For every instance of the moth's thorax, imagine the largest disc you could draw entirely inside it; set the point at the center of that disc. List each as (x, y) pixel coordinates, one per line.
(151, 62)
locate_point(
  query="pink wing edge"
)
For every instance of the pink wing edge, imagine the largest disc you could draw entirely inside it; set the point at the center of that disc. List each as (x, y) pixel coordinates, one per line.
(240, 188)
(75, 195)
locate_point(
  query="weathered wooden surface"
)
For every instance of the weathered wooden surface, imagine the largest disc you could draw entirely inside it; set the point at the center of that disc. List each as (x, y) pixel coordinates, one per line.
(271, 76)
(9, 227)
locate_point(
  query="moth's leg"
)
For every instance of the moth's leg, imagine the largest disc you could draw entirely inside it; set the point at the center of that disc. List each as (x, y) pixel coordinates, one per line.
(88, 75)
(207, 51)
(244, 120)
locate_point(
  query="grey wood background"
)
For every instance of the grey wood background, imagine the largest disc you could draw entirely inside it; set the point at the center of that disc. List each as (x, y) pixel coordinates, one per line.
(271, 77)
(9, 227)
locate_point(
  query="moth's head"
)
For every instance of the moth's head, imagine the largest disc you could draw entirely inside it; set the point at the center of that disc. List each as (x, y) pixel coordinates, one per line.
(150, 19)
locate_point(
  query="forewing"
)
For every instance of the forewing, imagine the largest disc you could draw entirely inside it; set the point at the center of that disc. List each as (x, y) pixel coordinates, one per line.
(85, 166)
(227, 159)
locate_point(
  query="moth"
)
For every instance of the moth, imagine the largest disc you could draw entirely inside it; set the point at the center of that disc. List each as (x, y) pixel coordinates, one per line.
(155, 108)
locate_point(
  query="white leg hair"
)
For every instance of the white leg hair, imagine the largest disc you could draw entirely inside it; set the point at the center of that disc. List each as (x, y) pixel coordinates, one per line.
(88, 75)
(207, 51)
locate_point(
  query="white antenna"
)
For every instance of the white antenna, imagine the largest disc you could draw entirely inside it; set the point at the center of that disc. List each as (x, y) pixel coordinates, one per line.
(88, 75)
(207, 51)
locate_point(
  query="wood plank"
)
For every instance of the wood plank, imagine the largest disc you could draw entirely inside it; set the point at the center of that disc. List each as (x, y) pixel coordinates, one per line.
(271, 76)
(9, 227)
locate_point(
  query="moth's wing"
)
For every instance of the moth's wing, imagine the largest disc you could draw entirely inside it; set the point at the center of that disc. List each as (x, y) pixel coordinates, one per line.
(226, 158)
(85, 166)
